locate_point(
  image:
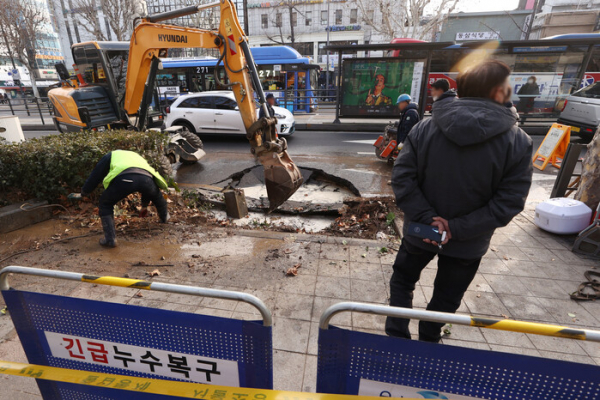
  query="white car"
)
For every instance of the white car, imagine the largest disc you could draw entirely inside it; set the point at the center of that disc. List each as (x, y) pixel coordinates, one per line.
(217, 112)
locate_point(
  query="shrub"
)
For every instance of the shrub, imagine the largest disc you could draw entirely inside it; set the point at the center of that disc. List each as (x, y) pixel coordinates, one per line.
(56, 165)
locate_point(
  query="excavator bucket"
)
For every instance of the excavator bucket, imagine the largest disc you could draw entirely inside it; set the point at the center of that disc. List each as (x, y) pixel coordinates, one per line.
(282, 177)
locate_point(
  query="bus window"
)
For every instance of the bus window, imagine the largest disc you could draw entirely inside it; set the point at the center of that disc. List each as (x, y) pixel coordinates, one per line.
(271, 78)
(117, 62)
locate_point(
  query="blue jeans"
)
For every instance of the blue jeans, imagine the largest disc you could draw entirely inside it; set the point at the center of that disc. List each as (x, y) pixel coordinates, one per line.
(125, 184)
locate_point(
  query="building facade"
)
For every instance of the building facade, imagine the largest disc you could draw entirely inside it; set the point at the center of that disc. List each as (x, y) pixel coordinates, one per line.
(305, 25)
(558, 17)
(504, 25)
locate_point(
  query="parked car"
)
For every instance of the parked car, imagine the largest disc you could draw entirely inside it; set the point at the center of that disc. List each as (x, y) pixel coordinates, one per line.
(217, 112)
(582, 111)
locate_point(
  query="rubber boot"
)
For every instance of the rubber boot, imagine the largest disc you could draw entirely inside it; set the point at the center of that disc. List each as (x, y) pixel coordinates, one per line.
(108, 226)
(165, 218)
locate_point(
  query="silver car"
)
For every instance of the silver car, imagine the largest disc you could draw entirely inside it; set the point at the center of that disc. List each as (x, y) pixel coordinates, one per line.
(582, 111)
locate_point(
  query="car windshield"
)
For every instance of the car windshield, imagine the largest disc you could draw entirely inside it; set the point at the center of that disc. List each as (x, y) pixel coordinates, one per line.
(590, 92)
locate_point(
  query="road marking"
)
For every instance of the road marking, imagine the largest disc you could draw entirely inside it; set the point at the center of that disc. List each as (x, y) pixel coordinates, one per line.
(369, 153)
(366, 141)
(362, 171)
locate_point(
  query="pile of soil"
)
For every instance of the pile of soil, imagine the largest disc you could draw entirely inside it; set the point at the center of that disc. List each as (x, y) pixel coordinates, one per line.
(366, 218)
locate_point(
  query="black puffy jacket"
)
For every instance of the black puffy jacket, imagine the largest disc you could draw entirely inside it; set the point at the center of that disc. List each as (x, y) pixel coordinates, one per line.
(408, 119)
(469, 164)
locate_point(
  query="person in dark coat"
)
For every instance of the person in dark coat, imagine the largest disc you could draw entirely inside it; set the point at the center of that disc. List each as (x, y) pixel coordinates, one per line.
(409, 116)
(270, 103)
(527, 94)
(440, 90)
(466, 171)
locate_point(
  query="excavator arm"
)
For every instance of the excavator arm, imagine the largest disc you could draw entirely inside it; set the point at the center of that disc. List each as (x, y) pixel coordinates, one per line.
(150, 42)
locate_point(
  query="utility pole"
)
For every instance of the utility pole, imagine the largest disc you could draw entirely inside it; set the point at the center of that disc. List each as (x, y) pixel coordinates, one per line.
(246, 23)
(327, 70)
(532, 17)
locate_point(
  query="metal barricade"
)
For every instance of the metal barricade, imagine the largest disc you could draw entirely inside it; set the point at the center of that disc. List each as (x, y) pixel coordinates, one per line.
(372, 365)
(114, 338)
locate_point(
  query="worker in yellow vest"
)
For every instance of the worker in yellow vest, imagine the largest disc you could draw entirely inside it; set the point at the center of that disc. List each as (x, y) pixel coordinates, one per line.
(124, 172)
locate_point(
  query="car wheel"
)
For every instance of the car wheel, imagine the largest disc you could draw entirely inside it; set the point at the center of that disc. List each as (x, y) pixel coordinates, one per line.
(187, 125)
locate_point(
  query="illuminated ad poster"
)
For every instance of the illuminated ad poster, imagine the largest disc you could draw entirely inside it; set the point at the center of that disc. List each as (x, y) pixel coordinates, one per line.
(370, 87)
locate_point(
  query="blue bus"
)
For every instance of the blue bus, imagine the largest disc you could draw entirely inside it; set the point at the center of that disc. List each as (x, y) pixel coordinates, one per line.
(282, 71)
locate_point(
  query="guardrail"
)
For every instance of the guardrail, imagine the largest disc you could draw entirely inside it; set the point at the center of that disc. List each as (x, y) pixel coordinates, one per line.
(29, 107)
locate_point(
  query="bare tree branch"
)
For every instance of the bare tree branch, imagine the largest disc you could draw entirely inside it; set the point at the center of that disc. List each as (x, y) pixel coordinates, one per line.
(406, 18)
(24, 22)
(118, 13)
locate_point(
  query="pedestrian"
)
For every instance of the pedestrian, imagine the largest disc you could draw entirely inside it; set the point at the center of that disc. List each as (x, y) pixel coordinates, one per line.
(440, 90)
(527, 94)
(466, 171)
(124, 172)
(409, 116)
(270, 103)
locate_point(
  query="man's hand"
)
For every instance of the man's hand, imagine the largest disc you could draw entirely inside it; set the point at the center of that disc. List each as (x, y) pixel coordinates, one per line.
(369, 98)
(442, 226)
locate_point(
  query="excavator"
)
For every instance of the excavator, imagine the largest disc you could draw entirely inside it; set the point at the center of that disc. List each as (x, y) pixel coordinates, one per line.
(117, 88)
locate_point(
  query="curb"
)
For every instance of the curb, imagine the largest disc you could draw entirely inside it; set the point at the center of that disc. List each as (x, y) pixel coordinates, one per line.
(47, 127)
(13, 217)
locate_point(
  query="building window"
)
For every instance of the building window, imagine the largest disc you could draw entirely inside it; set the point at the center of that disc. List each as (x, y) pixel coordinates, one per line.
(354, 16)
(308, 18)
(338, 17)
(324, 17)
(264, 21)
(370, 16)
(294, 19)
(278, 20)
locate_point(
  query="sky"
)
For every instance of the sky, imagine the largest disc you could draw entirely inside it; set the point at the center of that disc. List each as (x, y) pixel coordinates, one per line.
(486, 5)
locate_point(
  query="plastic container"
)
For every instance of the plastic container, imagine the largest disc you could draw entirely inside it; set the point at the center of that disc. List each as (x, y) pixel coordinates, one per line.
(10, 129)
(563, 216)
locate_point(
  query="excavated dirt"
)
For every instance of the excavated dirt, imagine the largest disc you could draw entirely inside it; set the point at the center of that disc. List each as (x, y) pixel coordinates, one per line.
(369, 218)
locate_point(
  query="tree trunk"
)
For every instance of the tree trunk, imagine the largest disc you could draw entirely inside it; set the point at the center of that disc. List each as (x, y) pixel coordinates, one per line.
(589, 188)
(36, 93)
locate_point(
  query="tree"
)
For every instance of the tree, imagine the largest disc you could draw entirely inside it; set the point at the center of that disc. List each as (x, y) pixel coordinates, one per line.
(23, 22)
(406, 18)
(280, 38)
(118, 17)
(589, 187)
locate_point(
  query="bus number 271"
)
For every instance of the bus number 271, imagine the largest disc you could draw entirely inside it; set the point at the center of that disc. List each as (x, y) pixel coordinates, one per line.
(202, 70)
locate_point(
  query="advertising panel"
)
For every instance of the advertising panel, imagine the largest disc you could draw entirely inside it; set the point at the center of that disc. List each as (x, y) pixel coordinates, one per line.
(370, 87)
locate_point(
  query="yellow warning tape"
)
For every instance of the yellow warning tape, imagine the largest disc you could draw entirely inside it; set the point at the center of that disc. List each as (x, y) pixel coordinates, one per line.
(529, 327)
(114, 281)
(157, 386)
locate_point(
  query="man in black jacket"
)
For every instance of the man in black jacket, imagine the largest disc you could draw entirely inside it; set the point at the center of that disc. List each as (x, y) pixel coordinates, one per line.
(409, 116)
(440, 90)
(270, 103)
(466, 171)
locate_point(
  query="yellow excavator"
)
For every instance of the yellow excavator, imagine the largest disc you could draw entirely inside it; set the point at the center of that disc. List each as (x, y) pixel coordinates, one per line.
(115, 87)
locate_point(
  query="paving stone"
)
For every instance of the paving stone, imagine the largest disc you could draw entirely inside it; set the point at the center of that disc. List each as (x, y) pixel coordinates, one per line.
(309, 383)
(222, 304)
(295, 306)
(508, 284)
(515, 350)
(288, 370)
(525, 268)
(511, 253)
(568, 357)
(301, 284)
(480, 284)
(493, 266)
(334, 268)
(467, 333)
(369, 291)
(526, 308)
(554, 344)
(560, 310)
(485, 304)
(328, 286)
(366, 271)
(507, 338)
(428, 274)
(573, 258)
(215, 312)
(539, 255)
(323, 303)
(551, 243)
(290, 334)
(544, 288)
(313, 338)
(463, 343)
(370, 253)
(500, 239)
(334, 252)
(561, 270)
(591, 348)
(368, 321)
(428, 292)
(525, 241)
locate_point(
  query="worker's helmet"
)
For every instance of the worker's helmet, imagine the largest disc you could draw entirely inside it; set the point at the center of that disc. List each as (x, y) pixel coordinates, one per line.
(403, 97)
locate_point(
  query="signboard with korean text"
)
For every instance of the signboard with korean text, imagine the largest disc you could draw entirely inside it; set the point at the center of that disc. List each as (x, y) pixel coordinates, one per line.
(477, 35)
(138, 341)
(370, 87)
(553, 147)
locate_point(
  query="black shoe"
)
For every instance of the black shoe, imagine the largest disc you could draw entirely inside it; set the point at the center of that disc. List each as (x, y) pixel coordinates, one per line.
(166, 218)
(110, 236)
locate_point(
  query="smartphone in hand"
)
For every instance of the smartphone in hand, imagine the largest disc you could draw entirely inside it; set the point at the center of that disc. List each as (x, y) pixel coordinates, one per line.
(423, 231)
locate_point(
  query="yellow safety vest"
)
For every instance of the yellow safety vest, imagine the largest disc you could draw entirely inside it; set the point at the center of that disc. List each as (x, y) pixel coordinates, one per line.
(120, 160)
